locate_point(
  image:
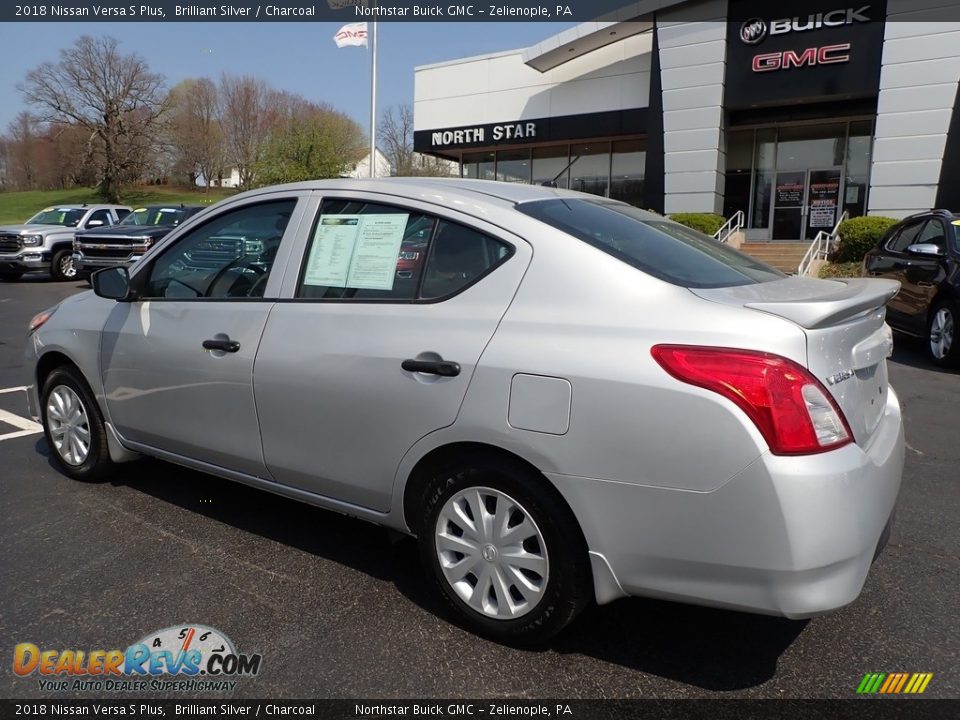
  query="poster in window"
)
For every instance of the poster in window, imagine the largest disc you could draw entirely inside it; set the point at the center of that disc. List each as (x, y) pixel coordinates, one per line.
(356, 251)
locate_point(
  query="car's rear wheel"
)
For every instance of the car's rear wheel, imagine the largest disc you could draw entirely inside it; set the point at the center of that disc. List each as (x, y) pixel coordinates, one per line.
(6, 276)
(942, 343)
(503, 550)
(62, 267)
(73, 426)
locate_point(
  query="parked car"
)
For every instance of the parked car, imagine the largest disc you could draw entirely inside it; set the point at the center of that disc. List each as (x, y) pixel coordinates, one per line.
(922, 253)
(126, 242)
(45, 241)
(570, 399)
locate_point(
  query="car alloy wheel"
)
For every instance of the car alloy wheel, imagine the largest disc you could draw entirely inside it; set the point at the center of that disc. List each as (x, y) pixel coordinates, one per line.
(941, 333)
(73, 425)
(66, 267)
(491, 553)
(69, 425)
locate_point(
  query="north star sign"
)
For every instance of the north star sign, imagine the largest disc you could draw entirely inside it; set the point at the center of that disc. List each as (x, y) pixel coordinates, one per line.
(497, 133)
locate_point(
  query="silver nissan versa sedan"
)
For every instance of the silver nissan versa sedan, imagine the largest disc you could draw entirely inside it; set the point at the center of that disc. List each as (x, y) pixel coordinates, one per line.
(562, 397)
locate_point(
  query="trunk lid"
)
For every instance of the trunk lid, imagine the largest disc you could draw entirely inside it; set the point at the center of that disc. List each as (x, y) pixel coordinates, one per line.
(848, 340)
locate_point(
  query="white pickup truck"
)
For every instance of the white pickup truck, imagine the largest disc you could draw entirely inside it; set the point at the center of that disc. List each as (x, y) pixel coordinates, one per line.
(45, 241)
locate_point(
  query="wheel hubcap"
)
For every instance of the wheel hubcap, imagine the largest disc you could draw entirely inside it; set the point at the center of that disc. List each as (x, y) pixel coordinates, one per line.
(67, 268)
(69, 425)
(941, 333)
(492, 553)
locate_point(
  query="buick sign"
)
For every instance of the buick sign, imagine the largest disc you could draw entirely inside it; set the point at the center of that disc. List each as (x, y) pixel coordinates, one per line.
(755, 31)
(752, 32)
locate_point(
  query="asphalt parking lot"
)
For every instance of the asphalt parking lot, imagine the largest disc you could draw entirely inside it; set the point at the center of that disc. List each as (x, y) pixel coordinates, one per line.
(338, 608)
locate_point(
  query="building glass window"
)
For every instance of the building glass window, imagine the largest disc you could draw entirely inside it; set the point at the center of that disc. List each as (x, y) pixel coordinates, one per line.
(739, 172)
(764, 164)
(513, 166)
(859, 155)
(627, 171)
(479, 165)
(590, 168)
(811, 146)
(550, 166)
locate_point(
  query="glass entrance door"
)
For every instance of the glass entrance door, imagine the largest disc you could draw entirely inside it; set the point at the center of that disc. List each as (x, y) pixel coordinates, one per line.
(789, 195)
(805, 202)
(823, 200)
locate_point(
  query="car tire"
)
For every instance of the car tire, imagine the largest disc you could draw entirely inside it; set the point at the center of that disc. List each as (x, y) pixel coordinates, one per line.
(942, 345)
(73, 426)
(10, 276)
(62, 267)
(521, 583)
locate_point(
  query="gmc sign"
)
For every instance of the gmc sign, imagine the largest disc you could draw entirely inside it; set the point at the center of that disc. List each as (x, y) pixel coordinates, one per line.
(811, 57)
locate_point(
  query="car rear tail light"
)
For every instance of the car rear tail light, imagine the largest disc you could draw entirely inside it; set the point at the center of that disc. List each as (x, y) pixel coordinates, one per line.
(792, 410)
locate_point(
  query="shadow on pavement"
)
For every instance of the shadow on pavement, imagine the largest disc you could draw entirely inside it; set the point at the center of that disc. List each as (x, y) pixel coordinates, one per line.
(707, 648)
(911, 352)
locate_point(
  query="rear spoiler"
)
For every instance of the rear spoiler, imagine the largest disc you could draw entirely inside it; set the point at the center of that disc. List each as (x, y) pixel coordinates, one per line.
(852, 297)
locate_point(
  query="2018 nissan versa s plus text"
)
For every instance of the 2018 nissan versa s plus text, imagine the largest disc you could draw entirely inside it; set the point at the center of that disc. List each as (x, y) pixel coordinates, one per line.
(568, 399)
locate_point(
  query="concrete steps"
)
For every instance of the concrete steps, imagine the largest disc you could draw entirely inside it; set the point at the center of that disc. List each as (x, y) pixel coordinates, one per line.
(785, 256)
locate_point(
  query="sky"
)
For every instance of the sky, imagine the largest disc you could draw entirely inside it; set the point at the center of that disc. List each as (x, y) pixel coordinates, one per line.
(299, 57)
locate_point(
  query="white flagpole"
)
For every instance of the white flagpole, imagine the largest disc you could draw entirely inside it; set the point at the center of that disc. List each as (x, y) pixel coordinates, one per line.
(373, 98)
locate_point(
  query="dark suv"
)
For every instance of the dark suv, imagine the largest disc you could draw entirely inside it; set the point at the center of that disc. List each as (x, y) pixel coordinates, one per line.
(923, 253)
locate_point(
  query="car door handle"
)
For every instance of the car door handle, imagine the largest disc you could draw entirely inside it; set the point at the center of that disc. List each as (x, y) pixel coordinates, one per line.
(230, 346)
(444, 368)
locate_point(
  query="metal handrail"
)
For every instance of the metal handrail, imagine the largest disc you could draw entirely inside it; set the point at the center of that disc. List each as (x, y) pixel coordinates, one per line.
(821, 247)
(733, 225)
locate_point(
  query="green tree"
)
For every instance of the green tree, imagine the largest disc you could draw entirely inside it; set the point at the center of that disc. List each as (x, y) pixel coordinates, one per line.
(309, 142)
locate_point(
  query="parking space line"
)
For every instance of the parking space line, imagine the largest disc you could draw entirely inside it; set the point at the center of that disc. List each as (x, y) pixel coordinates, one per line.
(24, 427)
(10, 390)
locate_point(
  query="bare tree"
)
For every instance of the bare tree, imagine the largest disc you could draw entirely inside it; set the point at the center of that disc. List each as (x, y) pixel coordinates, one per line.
(113, 96)
(246, 118)
(395, 140)
(25, 140)
(195, 130)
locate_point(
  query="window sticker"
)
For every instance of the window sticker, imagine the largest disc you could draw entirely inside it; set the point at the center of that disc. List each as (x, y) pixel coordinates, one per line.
(956, 222)
(357, 251)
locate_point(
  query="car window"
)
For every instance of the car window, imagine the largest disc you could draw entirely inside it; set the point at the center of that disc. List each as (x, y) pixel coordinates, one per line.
(932, 233)
(956, 235)
(103, 216)
(658, 247)
(903, 238)
(230, 256)
(459, 257)
(67, 217)
(365, 251)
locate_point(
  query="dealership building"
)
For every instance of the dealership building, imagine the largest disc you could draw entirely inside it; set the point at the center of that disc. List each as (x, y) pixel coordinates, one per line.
(792, 112)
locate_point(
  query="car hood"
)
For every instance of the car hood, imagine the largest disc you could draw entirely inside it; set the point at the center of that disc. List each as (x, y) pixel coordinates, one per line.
(128, 231)
(34, 229)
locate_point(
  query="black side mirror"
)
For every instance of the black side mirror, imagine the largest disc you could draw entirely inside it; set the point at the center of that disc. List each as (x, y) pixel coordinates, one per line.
(111, 283)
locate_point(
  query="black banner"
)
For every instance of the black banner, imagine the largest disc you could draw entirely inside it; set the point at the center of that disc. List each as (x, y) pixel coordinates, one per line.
(470, 709)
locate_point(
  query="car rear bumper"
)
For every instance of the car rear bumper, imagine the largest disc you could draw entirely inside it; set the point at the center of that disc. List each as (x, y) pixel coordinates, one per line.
(790, 536)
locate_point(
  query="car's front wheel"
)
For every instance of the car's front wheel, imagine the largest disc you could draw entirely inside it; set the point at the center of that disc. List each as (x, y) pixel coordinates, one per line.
(73, 426)
(941, 335)
(504, 551)
(62, 267)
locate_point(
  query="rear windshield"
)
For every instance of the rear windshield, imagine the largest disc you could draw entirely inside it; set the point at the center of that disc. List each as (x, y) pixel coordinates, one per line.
(657, 246)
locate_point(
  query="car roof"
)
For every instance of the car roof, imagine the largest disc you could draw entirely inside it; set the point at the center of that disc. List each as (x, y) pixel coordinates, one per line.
(427, 187)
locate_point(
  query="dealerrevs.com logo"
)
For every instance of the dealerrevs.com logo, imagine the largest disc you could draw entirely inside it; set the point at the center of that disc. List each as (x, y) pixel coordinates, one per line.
(182, 658)
(756, 30)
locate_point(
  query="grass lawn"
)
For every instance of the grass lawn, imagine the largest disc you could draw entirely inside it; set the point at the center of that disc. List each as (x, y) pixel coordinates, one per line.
(16, 207)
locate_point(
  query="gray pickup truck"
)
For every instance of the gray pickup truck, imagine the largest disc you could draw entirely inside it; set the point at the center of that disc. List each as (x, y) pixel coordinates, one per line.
(45, 241)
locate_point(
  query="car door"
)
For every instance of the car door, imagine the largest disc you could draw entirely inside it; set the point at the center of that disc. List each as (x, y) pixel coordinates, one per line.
(391, 306)
(177, 362)
(891, 262)
(923, 274)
